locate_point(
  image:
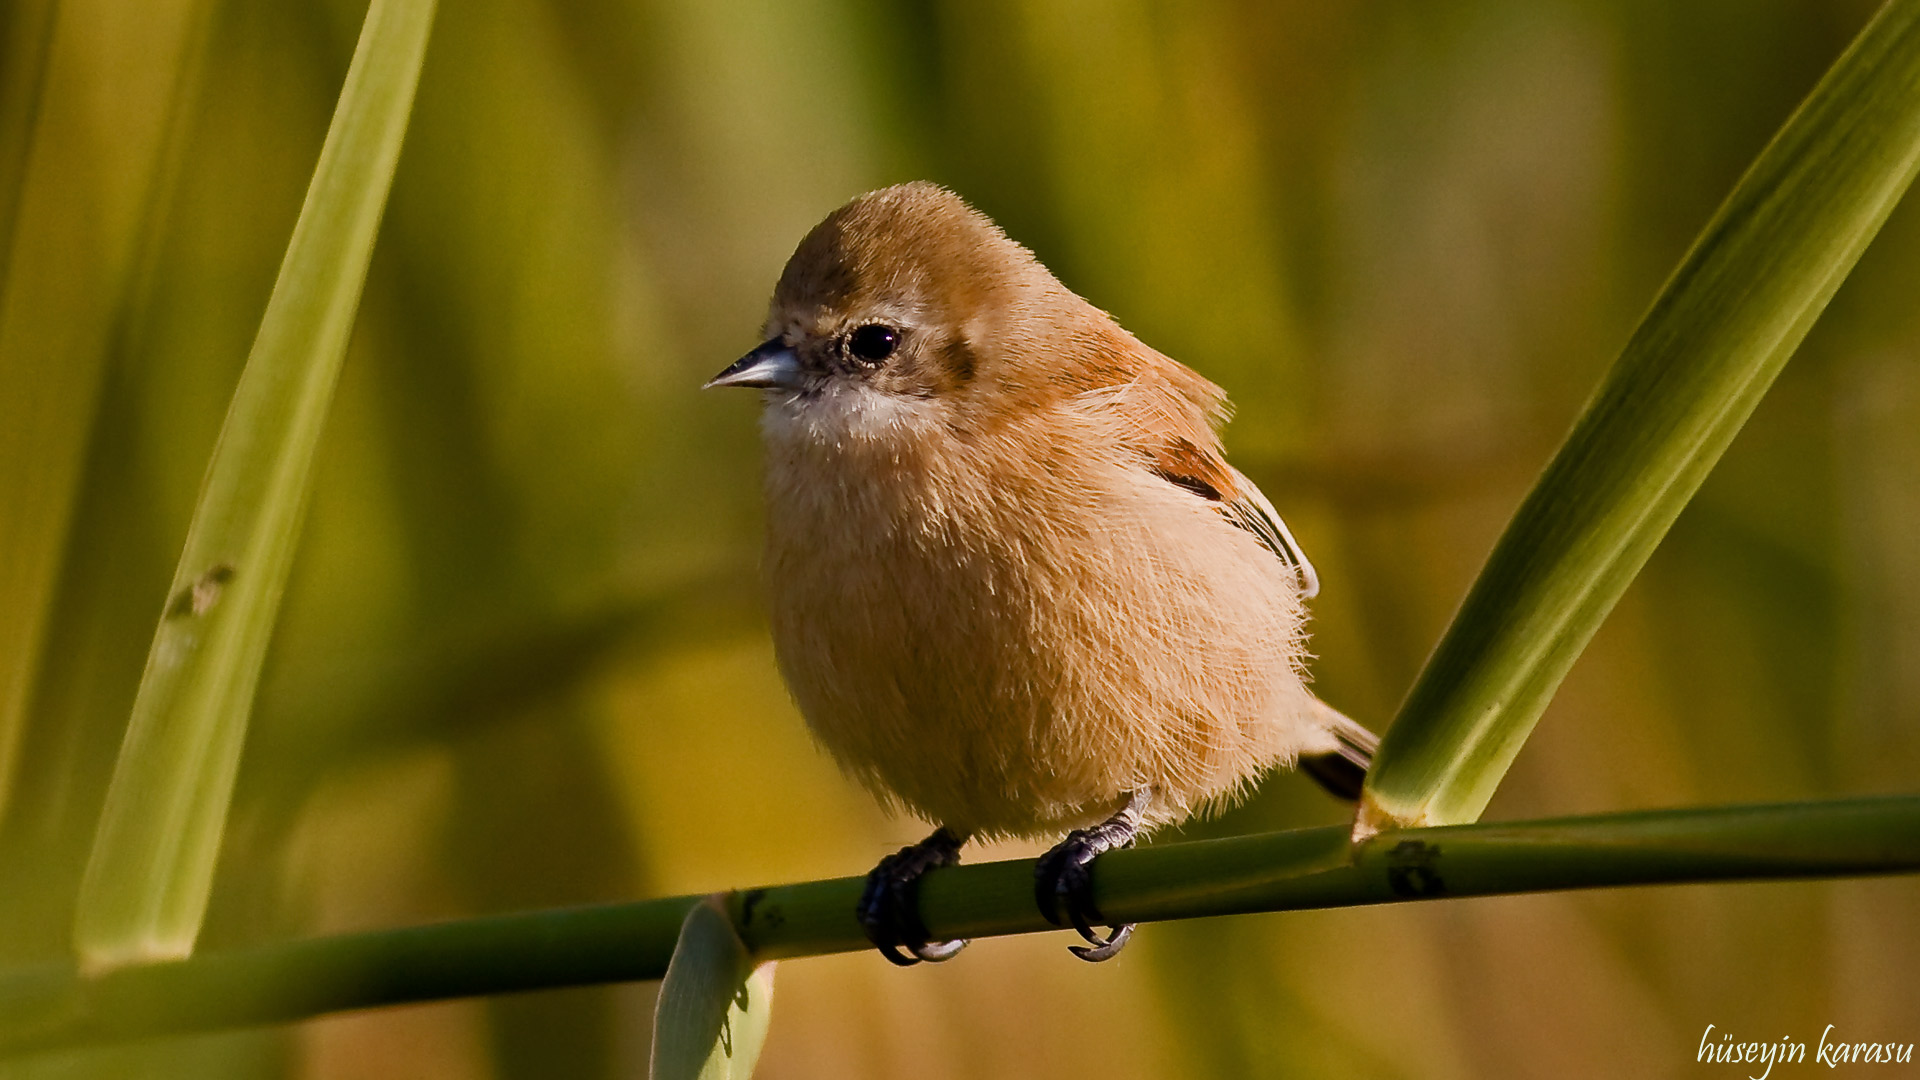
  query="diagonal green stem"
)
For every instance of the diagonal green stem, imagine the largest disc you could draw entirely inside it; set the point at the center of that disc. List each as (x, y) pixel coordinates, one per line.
(1308, 868)
(1734, 311)
(150, 872)
(71, 268)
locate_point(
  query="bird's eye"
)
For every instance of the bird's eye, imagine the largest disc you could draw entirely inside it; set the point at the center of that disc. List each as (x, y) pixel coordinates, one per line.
(873, 343)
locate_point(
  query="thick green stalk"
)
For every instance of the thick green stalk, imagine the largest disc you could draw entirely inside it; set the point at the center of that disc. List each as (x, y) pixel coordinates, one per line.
(151, 867)
(1721, 329)
(1309, 868)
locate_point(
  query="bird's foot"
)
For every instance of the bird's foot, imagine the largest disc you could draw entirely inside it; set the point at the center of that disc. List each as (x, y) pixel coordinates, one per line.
(1063, 881)
(889, 909)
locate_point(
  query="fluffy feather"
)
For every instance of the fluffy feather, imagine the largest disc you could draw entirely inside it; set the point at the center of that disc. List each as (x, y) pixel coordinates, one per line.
(1012, 576)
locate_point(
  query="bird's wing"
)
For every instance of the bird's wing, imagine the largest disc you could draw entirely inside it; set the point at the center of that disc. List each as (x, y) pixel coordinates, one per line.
(1171, 417)
(1238, 500)
(1250, 510)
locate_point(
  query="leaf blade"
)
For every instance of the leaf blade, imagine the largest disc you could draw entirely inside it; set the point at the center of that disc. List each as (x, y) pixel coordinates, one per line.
(151, 868)
(711, 1017)
(1720, 330)
(70, 268)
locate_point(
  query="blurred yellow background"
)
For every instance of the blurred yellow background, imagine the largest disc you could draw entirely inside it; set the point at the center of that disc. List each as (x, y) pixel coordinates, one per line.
(522, 661)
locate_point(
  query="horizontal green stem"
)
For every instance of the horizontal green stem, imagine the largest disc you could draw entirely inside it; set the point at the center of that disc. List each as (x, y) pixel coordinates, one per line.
(1300, 869)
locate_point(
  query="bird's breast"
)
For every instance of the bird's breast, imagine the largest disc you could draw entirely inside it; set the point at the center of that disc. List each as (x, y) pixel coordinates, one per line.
(1007, 634)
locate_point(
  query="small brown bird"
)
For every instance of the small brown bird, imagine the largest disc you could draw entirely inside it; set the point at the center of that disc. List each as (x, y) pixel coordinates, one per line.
(1016, 589)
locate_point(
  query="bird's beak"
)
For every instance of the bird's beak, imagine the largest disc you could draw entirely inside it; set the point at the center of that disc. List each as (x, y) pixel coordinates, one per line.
(772, 366)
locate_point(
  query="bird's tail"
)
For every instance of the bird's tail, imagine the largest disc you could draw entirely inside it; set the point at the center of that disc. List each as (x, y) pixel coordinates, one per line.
(1342, 767)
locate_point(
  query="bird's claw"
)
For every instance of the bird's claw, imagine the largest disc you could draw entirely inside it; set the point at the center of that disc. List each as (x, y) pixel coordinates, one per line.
(889, 909)
(1103, 948)
(1063, 887)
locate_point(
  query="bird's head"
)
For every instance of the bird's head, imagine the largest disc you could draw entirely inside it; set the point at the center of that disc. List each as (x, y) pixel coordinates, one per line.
(907, 293)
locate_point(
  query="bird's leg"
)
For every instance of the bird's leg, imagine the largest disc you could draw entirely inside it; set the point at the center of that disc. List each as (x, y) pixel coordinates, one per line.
(1063, 879)
(889, 909)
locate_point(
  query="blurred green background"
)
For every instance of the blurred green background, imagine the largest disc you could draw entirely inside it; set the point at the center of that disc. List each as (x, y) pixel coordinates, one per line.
(523, 662)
